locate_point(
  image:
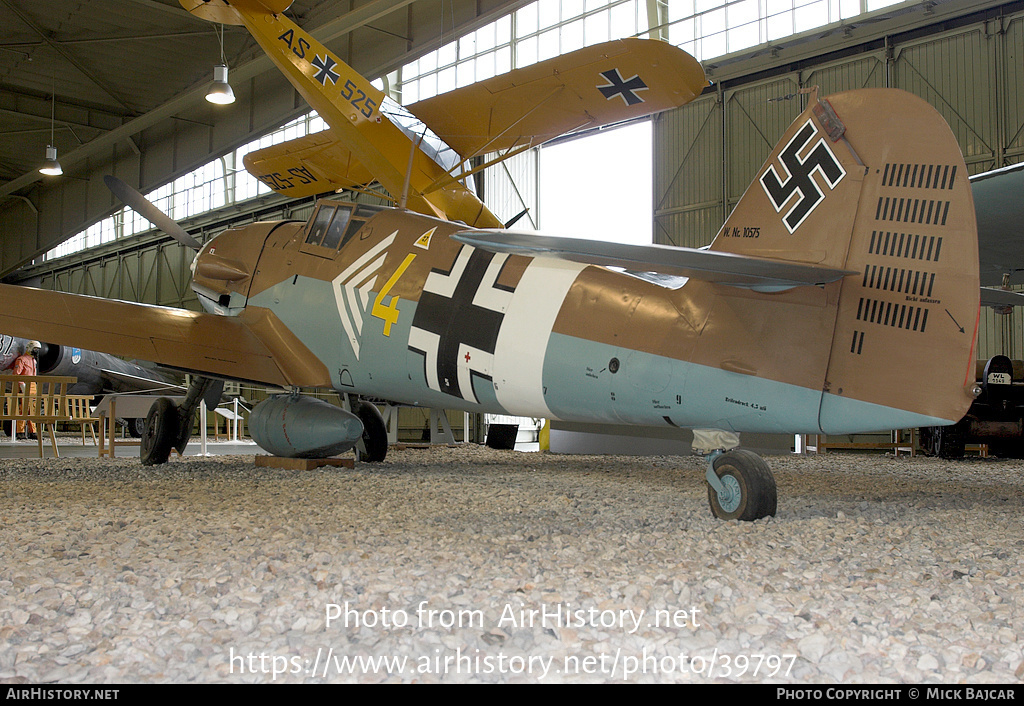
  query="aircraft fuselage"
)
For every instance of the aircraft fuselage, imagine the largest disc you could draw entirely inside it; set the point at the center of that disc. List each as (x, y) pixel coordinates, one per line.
(396, 309)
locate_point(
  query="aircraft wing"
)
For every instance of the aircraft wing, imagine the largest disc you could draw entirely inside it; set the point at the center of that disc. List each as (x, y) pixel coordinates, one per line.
(308, 165)
(999, 298)
(760, 274)
(999, 204)
(253, 346)
(593, 86)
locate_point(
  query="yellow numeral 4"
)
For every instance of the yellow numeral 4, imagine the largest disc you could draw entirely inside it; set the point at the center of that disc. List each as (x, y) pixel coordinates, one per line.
(389, 313)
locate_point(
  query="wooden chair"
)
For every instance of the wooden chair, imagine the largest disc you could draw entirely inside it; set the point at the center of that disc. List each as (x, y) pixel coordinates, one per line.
(79, 410)
(40, 399)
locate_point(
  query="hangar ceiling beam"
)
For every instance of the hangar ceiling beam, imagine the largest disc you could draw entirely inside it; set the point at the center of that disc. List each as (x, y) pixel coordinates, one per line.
(68, 56)
(325, 33)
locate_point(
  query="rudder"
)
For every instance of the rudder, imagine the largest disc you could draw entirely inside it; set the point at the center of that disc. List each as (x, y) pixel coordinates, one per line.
(907, 324)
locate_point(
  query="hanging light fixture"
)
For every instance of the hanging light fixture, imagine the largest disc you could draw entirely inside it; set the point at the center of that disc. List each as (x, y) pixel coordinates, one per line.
(51, 167)
(220, 91)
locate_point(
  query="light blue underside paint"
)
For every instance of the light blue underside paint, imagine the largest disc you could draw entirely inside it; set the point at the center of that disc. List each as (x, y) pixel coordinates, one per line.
(385, 367)
(581, 387)
(846, 416)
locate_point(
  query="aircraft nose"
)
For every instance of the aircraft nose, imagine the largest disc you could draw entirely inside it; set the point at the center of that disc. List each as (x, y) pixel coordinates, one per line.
(213, 266)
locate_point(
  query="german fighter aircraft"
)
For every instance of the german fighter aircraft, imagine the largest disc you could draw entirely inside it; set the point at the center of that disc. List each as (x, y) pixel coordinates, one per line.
(840, 296)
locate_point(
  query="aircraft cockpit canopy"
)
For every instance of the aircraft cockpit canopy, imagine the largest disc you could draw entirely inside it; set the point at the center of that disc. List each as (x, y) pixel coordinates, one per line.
(335, 223)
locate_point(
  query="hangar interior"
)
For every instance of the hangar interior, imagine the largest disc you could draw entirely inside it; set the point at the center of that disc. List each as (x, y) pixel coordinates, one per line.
(118, 88)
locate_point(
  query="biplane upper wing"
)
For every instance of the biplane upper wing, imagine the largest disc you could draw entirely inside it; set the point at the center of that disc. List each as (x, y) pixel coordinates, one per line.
(761, 274)
(308, 165)
(253, 346)
(594, 86)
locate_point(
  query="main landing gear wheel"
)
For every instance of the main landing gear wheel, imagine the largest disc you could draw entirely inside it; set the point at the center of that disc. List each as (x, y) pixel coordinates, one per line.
(944, 442)
(161, 432)
(747, 487)
(136, 427)
(372, 447)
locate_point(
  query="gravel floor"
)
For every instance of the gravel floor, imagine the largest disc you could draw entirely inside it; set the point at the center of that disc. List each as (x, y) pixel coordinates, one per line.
(468, 564)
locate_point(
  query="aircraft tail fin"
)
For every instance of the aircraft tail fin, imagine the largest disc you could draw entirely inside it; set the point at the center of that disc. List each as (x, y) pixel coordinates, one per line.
(873, 181)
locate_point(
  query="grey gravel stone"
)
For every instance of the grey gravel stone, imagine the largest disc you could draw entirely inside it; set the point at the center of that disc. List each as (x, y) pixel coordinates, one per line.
(468, 564)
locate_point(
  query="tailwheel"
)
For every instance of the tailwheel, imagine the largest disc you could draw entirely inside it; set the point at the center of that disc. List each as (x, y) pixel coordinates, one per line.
(161, 432)
(740, 486)
(372, 446)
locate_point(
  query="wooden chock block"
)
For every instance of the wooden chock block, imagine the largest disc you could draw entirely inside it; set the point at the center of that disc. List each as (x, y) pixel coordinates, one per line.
(302, 464)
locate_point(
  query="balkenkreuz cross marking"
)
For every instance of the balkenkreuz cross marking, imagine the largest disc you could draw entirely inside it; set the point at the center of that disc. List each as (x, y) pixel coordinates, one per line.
(617, 86)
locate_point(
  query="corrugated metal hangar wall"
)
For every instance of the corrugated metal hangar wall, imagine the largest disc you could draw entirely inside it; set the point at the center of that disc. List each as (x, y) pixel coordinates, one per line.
(707, 153)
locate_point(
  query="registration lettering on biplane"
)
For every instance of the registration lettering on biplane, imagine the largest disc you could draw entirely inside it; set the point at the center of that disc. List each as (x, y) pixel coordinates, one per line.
(794, 177)
(298, 46)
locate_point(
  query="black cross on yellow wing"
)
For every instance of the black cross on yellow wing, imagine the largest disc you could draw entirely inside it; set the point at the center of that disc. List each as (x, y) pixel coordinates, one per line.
(618, 86)
(325, 69)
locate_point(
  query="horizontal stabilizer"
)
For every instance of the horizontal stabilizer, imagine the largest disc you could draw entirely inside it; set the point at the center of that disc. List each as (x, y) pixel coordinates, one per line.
(760, 274)
(999, 203)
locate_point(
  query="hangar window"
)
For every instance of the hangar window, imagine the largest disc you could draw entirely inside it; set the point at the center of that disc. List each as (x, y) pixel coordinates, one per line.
(540, 30)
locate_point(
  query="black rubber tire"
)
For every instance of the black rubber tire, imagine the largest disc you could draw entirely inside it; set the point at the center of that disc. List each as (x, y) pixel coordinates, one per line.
(161, 432)
(373, 446)
(746, 472)
(136, 427)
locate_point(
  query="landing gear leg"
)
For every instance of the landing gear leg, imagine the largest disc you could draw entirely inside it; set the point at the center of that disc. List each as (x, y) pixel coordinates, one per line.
(944, 442)
(740, 486)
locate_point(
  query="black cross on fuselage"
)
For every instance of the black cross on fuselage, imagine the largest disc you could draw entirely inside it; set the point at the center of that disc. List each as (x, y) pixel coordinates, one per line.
(617, 86)
(325, 69)
(457, 322)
